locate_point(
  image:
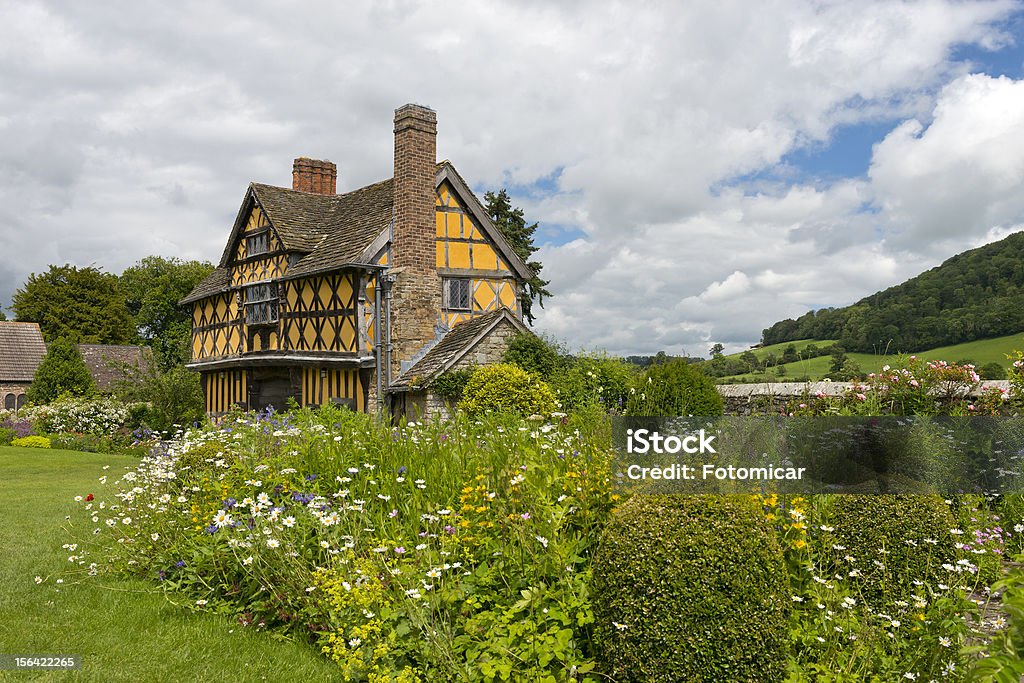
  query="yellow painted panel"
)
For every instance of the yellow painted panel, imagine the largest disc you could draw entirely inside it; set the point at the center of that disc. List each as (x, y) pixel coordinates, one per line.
(455, 225)
(257, 343)
(293, 337)
(292, 295)
(325, 293)
(383, 260)
(307, 293)
(484, 257)
(444, 195)
(483, 295)
(348, 334)
(272, 341)
(503, 266)
(309, 336)
(458, 255)
(345, 289)
(440, 255)
(507, 294)
(439, 219)
(475, 234)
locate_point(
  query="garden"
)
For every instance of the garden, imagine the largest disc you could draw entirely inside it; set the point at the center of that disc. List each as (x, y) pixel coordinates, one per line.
(500, 545)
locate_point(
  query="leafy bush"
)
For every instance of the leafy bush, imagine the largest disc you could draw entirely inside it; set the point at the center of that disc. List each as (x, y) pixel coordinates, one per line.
(91, 443)
(31, 442)
(533, 354)
(97, 416)
(674, 388)
(21, 425)
(593, 379)
(174, 397)
(992, 371)
(894, 540)
(451, 384)
(690, 588)
(61, 372)
(506, 388)
(7, 435)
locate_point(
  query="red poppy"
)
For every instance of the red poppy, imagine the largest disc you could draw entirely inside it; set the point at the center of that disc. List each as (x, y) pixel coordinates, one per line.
(89, 497)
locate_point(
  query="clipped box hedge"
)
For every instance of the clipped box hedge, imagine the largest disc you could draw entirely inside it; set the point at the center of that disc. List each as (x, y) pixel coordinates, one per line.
(690, 588)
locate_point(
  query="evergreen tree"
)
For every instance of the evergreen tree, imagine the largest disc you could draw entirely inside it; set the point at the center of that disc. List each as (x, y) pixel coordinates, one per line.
(62, 372)
(84, 305)
(512, 223)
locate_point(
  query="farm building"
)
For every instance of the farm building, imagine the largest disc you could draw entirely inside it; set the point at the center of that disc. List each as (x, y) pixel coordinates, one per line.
(323, 297)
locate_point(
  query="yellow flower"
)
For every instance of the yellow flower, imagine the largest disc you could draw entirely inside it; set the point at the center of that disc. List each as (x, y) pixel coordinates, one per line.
(800, 544)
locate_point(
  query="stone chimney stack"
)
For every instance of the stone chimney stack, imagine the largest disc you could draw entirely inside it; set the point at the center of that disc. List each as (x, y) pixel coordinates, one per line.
(416, 307)
(314, 175)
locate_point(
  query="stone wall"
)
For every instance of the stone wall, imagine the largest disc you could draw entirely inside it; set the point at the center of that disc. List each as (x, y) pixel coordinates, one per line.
(14, 390)
(773, 397)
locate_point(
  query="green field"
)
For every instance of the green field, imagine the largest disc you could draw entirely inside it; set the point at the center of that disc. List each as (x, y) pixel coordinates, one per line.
(124, 630)
(981, 352)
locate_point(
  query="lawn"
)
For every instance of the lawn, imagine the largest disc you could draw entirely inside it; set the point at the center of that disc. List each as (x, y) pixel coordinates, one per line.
(124, 630)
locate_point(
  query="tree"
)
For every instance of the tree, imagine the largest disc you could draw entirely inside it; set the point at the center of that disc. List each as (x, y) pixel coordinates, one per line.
(84, 305)
(153, 287)
(512, 223)
(716, 350)
(62, 372)
(2, 316)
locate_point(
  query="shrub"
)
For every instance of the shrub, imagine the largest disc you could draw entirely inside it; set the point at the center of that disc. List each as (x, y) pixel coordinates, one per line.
(506, 388)
(7, 435)
(593, 380)
(992, 371)
(690, 588)
(31, 442)
(533, 354)
(908, 535)
(62, 371)
(451, 384)
(100, 416)
(674, 388)
(174, 397)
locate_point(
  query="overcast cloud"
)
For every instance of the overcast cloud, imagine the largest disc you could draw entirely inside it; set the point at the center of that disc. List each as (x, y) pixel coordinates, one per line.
(658, 144)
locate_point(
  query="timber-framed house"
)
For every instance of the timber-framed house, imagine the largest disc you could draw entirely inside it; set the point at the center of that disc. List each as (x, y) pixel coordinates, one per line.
(324, 297)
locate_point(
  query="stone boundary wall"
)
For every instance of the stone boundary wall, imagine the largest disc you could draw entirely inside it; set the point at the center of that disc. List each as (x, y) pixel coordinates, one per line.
(772, 397)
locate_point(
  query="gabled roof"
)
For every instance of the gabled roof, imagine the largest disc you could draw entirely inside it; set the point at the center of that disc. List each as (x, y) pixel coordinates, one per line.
(21, 351)
(107, 363)
(459, 341)
(333, 231)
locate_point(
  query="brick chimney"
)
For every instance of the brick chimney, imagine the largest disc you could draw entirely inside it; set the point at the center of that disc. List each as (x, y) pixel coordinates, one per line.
(416, 306)
(314, 175)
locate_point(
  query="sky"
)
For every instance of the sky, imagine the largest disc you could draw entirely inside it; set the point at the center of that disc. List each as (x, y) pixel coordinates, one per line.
(699, 170)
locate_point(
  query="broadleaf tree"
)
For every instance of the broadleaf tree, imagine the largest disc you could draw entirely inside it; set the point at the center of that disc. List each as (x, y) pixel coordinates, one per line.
(512, 223)
(153, 287)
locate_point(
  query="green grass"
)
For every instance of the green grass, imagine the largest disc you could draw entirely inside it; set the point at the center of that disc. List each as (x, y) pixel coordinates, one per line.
(125, 630)
(981, 352)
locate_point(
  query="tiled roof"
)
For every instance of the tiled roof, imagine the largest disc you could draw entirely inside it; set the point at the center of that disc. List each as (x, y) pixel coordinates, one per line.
(21, 350)
(215, 282)
(459, 341)
(107, 363)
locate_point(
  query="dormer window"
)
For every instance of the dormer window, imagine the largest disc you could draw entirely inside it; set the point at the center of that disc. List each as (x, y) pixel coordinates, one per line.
(261, 304)
(457, 294)
(257, 244)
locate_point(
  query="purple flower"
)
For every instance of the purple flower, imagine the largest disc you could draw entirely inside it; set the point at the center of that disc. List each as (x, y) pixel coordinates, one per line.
(525, 515)
(393, 514)
(229, 503)
(310, 477)
(402, 469)
(179, 563)
(449, 529)
(400, 550)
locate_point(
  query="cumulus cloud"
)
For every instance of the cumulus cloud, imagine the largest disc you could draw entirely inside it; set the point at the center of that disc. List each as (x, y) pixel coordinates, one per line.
(134, 129)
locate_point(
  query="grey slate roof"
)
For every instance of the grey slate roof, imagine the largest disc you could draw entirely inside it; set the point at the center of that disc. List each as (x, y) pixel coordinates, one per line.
(106, 363)
(217, 281)
(453, 346)
(21, 350)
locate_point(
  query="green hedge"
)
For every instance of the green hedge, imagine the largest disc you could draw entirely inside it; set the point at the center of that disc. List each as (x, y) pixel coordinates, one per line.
(506, 388)
(690, 588)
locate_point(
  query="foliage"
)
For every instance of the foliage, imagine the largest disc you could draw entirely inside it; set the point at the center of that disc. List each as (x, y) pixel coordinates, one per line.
(173, 396)
(992, 371)
(62, 371)
(7, 435)
(893, 539)
(31, 442)
(1016, 377)
(84, 305)
(19, 423)
(91, 443)
(503, 387)
(458, 550)
(690, 588)
(95, 416)
(512, 223)
(452, 384)
(674, 388)
(153, 287)
(593, 379)
(1003, 658)
(533, 353)
(974, 295)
